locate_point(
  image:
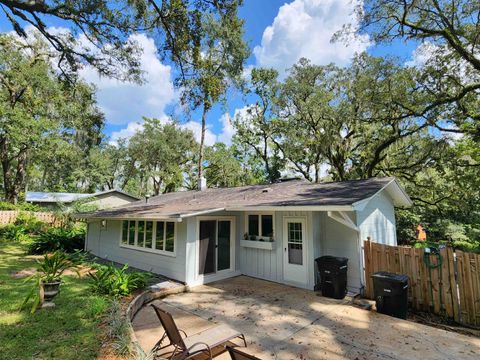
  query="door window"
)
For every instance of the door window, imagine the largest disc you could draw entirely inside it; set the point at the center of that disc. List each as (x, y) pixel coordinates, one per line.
(295, 243)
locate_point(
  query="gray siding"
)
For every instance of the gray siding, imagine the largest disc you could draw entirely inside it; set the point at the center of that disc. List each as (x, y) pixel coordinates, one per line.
(105, 243)
(377, 220)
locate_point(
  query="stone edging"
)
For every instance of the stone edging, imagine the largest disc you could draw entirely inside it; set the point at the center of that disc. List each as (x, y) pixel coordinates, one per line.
(139, 301)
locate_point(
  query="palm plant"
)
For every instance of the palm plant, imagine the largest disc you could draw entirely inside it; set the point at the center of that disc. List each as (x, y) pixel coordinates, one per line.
(47, 279)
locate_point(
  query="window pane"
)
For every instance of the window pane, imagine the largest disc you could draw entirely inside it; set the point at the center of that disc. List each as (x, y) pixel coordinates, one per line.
(253, 225)
(159, 235)
(125, 232)
(170, 237)
(267, 225)
(148, 234)
(141, 234)
(223, 242)
(131, 233)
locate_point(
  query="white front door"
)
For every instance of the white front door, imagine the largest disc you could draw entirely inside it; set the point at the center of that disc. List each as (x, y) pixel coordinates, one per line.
(294, 248)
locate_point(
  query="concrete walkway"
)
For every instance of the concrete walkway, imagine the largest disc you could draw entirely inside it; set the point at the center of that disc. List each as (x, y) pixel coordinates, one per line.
(281, 322)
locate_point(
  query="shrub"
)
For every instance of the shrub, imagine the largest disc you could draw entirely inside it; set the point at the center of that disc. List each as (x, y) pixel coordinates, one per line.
(30, 223)
(12, 232)
(113, 281)
(52, 239)
(23, 206)
(117, 328)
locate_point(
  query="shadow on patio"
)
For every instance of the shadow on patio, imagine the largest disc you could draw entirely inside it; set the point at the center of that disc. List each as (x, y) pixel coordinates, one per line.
(282, 322)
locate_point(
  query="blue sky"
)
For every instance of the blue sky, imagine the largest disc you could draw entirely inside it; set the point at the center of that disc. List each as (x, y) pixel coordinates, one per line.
(278, 32)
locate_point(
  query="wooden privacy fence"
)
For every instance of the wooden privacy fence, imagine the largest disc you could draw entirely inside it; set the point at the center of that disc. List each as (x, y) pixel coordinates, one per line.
(9, 217)
(446, 284)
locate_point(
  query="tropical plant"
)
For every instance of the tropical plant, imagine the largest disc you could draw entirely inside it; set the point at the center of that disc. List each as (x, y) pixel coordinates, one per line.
(50, 269)
(57, 238)
(54, 265)
(29, 223)
(12, 232)
(113, 281)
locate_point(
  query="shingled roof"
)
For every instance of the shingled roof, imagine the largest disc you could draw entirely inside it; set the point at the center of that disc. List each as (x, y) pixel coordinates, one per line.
(298, 194)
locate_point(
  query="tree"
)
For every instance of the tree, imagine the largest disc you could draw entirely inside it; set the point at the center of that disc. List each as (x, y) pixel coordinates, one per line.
(105, 27)
(451, 75)
(254, 127)
(214, 64)
(160, 154)
(36, 108)
(225, 167)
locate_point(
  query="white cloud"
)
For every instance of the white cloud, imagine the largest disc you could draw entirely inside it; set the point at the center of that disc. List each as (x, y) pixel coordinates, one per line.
(422, 54)
(124, 102)
(126, 133)
(196, 128)
(304, 28)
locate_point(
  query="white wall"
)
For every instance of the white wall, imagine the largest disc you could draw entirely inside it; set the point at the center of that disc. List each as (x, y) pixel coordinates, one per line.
(268, 264)
(377, 220)
(105, 243)
(340, 240)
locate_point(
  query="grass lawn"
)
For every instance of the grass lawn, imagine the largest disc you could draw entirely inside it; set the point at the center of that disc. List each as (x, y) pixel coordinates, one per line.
(68, 331)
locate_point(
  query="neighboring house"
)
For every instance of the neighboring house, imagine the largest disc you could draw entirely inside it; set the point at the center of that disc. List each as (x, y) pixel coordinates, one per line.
(272, 232)
(102, 199)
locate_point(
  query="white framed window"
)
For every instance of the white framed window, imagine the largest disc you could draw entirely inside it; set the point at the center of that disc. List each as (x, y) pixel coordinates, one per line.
(259, 226)
(149, 235)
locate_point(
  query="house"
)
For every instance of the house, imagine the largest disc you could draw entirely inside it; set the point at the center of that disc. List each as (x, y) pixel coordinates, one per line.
(272, 232)
(102, 199)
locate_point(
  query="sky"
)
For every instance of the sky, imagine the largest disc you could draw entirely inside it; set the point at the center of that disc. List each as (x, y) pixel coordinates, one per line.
(279, 34)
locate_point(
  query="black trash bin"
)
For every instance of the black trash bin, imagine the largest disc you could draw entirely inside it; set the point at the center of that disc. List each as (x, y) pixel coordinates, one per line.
(391, 293)
(332, 272)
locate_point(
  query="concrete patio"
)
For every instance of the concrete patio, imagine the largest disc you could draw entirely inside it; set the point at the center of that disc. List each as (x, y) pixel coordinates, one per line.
(282, 322)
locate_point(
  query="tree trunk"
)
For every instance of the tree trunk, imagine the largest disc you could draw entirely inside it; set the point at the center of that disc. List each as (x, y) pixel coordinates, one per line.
(15, 184)
(202, 141)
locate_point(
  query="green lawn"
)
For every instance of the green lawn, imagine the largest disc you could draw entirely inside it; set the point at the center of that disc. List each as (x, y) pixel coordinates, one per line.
(68, 331)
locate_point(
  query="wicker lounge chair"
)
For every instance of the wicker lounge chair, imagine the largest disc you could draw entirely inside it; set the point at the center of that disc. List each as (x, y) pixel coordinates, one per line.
(188, 346)
(236, 354)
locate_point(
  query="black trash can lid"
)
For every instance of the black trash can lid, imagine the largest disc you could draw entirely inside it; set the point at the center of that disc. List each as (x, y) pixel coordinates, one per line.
(331, 259)
(401, 278)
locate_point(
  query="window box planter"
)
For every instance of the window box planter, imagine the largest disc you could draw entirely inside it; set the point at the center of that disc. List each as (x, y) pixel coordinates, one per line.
(265, 245)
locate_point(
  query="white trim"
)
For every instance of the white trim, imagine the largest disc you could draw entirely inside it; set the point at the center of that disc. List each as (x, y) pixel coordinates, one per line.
(255, 244)
(222, 274)
(360, 205)
(154, 235)
(343, 219)
(203, 212)
(132, 217)
(291, 208)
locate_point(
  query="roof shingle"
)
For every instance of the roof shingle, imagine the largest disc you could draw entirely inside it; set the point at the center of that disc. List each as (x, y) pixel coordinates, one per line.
(296, 193)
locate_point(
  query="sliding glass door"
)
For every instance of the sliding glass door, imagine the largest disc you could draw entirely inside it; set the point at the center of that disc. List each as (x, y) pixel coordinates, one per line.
(215, 244)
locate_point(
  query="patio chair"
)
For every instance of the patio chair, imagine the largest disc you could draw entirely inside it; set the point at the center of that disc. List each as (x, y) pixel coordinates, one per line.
(188, 346)
(236, 354)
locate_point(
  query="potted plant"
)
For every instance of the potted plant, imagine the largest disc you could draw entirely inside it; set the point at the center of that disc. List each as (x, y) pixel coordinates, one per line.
(48, 279)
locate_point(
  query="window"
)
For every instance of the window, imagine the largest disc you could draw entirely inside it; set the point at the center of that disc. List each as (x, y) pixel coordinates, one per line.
(160, 235)
(149, 235)
(260, 226)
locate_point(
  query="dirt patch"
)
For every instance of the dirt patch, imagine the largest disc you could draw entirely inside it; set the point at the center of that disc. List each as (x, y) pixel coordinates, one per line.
(20, 274)
(441, 322)
(23, 273)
